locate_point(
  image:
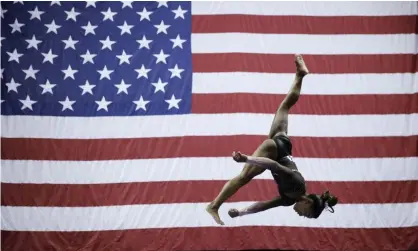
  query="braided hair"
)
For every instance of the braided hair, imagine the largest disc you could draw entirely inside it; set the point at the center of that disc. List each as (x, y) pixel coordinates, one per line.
(324, 201)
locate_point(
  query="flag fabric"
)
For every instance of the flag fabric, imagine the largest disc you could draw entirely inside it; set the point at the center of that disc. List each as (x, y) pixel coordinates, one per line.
(119, 120)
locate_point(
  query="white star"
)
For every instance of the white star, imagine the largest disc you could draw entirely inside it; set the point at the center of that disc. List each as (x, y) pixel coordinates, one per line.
(144, 14)
(88, 57)
(144, 43)
(47, 87)
(69, 73)
(142, 72)
(89, 29)
(159, 86)
(14, 56)
(162, 27)
(55, 2)
(49, 57)
(3, 11)
(123, 58)
(87, 88)
(30, 73)
(91, 3)
(178, 42)
(27, 103)
(108, 14)
(103, 104)
(127, 4)
(161, 57)
(122, 87)
(107, 43)
(12, 86)
(72, 14)
(179, 12)
(36, 14)
(175, 72)
(16, 26)
(33, 42)
(105, 73)
(52, 27)
(173, 102)
(70, 43)
(162, 3)
(125, 28)
(141, 104)
(21, 2)
(67, 104)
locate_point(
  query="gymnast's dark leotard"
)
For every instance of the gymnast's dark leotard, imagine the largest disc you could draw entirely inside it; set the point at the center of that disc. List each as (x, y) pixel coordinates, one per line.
(286, 183)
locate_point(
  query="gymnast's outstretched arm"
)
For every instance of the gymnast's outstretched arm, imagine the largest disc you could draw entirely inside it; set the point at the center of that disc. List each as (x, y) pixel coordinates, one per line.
(256, 207)
(262, 162)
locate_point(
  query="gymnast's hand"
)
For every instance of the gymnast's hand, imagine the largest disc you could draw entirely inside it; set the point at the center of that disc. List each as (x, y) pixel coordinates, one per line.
(233, 212)
(239, 157)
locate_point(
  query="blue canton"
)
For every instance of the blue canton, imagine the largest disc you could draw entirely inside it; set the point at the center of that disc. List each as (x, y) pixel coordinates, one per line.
(96, 58)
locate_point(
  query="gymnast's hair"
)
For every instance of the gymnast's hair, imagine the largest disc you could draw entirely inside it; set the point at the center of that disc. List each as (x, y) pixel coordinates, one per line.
(325, 201)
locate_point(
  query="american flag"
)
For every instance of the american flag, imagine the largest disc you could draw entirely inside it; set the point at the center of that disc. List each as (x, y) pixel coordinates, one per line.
(119, 120)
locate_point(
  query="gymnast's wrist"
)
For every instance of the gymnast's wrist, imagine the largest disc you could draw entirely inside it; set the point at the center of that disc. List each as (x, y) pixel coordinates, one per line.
(243, 212)
(246, 158)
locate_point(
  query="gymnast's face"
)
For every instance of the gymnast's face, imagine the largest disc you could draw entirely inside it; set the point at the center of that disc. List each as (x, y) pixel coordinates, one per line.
(304, 208)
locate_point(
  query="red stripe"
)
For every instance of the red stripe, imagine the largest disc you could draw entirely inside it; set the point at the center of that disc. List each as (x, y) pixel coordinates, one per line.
(214, 238)
(319, 64)
(304, 24)
(307, 104)
(204, 146)
(65, 195)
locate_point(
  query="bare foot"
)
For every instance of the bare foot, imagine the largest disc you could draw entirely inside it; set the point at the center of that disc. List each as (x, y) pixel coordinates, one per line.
(301, 68)
(214, 213)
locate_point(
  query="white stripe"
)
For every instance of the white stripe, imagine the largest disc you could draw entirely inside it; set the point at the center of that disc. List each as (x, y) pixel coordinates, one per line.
(314, 8)
(315, 84)
(205, 125)
(183, 169)
(178, 215)
(304, 44)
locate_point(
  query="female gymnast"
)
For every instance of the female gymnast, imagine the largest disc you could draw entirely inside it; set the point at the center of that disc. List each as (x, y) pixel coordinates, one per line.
(291, 186)
(275, 154)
